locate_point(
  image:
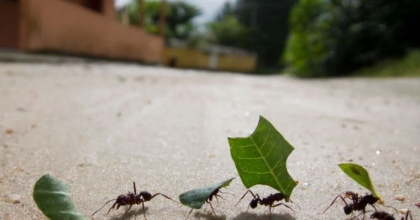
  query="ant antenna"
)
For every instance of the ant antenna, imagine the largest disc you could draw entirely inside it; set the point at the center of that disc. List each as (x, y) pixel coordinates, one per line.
(103, 206)
(163, 196)
(227, 193)
(249, 191)
(339, 196)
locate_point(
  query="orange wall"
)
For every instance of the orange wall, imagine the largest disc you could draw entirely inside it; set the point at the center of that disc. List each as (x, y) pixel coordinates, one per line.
(186, 58)
(9, 24)
(108, 9)
(64, 26)
(236, 63)
(193, 58)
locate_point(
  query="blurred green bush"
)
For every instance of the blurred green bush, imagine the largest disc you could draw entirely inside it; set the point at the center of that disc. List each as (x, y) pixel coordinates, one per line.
(337, 37)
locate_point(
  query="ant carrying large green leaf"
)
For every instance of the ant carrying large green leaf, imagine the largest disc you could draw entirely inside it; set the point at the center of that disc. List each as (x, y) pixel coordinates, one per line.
(267, 201)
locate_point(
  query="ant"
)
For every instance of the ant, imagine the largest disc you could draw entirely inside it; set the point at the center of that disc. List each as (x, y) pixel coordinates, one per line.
(359, 202)
(132, 199)
(268, 201)
(210, 198)
(386, 216)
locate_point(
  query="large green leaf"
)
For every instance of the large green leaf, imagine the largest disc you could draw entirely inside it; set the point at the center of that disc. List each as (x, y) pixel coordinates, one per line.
(53, 199)
(360, 175)
(197, 197)
(261, 158)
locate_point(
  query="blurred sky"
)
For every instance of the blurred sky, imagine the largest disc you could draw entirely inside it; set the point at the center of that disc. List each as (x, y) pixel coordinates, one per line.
(209, 8)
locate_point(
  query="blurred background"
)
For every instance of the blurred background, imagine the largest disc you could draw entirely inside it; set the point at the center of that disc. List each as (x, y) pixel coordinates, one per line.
(306, 38)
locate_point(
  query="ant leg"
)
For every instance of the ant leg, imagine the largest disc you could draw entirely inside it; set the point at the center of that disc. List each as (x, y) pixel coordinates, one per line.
(295, 204)
(218, 199)
(163, 196)
(113, 207)
(212, 208)
(249, 191)
(272, 206)
(356, 216)
(189, 213)
(144, 211)
(128, 209)
(134, 186)
(407, 215)
(339, 196)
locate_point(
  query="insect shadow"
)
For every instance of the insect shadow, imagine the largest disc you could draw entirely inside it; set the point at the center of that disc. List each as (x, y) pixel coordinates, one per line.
(131, 199)
(252, 216)
(209, 216)
(130, 214)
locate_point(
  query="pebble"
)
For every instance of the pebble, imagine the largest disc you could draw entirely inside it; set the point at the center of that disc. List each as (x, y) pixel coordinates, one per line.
(400, 198)
(403, 211)
(13, 199)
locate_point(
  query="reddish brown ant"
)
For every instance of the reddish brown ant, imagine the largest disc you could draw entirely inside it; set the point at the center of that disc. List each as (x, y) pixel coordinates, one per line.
(359, 203)
(386, 216)
(268, 201)
(132, 199)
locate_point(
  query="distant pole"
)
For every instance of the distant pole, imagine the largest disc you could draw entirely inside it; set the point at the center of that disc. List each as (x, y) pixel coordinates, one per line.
(162, 19)
(141, 13)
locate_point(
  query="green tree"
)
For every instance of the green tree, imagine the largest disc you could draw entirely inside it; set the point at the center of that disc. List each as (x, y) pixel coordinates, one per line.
(267, 22)
(227, 31)
(179, 16)
(335, 37)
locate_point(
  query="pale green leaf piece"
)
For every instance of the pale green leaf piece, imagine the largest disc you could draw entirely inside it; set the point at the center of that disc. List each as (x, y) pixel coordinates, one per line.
(261, 158)
(53, 199)
(360, 175)
(197, 197)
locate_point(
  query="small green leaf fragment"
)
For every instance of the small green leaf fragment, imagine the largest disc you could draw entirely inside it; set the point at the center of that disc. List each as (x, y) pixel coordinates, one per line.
(261, 158)
(197, 197)
(360, 175)
(53, 199)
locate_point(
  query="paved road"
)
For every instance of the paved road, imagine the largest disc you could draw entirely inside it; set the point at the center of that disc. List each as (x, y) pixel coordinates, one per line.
(101, 126)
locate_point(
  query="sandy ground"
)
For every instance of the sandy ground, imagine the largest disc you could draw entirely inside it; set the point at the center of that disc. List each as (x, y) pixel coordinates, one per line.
(101, 126)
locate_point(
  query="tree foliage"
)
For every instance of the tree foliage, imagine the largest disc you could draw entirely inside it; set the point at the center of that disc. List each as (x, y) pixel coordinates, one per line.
(228, 31)
(260, 26)
(179, 16)
(268, 24)
(334, 37)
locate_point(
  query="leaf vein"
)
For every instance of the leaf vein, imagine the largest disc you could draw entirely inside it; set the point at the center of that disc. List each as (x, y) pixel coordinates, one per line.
(268, 165)
(52, 192)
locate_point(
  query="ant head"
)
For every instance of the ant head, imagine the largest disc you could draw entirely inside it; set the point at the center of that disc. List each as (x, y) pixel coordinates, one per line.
(253, 203)
(146, 195)
(371, 199)
(215, 191)
(348, 209)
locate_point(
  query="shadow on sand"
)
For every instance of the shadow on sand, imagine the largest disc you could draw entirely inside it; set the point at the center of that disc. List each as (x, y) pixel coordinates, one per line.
(132, 213)
(273, 216)
(209, 216)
